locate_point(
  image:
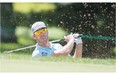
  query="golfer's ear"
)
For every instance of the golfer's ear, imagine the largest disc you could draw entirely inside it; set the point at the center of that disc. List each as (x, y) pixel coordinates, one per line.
(34, 36)
(47, 32)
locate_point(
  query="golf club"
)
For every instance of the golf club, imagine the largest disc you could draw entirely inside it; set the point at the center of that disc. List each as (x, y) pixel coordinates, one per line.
(54, 41)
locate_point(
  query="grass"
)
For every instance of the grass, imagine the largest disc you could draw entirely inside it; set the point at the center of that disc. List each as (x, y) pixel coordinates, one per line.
(24, 63)
(8, 46)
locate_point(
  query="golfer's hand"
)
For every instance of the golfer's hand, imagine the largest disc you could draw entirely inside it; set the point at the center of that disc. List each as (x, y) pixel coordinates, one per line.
(69, 37)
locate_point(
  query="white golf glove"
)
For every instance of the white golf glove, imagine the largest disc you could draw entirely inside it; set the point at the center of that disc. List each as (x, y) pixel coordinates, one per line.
(77, 38)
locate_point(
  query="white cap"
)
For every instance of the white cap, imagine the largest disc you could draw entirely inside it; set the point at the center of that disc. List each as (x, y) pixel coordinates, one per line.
(37, 25)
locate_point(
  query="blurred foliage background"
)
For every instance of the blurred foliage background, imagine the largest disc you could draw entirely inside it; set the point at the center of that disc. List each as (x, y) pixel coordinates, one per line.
(92, 19)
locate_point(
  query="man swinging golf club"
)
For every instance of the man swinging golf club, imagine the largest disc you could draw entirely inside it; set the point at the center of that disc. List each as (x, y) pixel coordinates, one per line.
(45, 48)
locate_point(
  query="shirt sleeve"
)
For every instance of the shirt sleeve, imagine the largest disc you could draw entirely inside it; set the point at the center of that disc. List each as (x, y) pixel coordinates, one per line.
(56, 46)
(78, 40)
(36, 53)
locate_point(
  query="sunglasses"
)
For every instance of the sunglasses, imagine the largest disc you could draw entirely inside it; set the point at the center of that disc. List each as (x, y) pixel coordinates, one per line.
(38, 32)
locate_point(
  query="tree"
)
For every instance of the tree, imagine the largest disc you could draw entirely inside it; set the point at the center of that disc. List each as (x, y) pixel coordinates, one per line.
(8, 24)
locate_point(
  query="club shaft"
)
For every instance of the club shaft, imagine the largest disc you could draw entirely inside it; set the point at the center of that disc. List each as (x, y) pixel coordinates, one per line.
(19, 49)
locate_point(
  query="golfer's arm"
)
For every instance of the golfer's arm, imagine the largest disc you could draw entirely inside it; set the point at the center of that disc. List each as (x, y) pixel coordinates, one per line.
(65, 50)
(78, 51)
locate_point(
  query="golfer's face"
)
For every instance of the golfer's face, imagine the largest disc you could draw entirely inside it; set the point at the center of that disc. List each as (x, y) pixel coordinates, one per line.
(41, 35)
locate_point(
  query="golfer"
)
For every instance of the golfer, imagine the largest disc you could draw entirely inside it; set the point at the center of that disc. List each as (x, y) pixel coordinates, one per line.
(46, 48)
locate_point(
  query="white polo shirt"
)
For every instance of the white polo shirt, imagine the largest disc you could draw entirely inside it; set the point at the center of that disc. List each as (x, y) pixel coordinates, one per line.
(44, 51)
